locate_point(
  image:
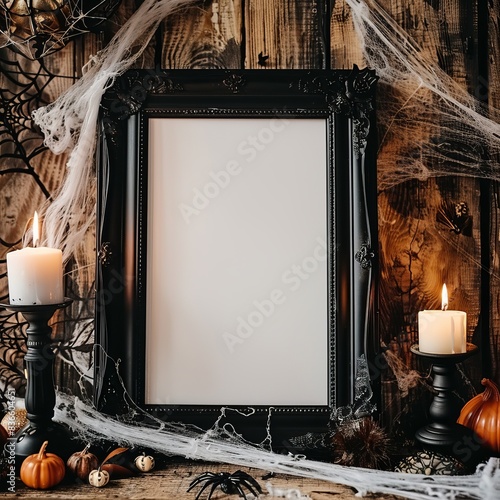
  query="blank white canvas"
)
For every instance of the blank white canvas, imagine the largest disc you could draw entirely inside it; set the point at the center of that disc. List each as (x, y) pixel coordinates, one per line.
(248, 248)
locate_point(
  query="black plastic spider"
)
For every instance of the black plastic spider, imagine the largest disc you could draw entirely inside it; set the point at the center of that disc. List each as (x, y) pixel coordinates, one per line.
(228, 483)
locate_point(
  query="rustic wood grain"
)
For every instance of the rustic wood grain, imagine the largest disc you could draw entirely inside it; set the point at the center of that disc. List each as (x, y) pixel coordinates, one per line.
(205, 36)
(494, 340)
(493, 85)
(441, 39)
(124, 11)
(418, 254)
(172, 482)
(285, 34)
(346, 46)
(490, 87)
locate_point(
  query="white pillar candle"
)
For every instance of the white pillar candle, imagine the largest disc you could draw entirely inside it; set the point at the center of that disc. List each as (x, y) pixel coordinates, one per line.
(442, 332)
(35, 275)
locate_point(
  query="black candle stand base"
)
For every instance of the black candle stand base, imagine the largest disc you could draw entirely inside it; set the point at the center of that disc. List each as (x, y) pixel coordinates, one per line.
(40, 396)
(30, 439)
(438, 436)
(443, 433)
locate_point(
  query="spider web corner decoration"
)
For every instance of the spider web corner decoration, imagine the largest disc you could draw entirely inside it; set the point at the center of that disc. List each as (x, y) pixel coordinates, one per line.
(25, 85)
(37, 28)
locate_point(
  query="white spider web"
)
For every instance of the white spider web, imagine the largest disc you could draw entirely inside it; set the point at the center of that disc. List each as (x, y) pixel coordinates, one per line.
(419, 87)
(438, 127)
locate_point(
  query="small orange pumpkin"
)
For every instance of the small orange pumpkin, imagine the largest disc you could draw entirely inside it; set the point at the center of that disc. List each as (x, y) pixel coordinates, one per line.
(42, 470)
(482, 415)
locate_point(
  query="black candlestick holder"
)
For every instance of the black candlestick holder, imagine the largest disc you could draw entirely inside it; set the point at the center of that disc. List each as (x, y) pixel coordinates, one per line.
(40, 396)
(443, 432)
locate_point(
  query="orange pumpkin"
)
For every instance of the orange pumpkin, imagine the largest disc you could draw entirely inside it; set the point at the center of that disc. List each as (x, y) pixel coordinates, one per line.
(482, 415)
(42, 470)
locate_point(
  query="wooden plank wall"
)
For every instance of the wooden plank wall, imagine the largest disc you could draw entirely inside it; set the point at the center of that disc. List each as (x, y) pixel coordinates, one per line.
(490, 89)
(417, 255)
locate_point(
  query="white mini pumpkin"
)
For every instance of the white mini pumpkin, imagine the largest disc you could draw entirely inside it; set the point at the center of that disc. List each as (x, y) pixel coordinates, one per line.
(99, 478)
(145, 463)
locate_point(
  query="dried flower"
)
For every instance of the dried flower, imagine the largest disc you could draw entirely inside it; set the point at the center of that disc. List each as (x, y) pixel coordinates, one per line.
(361, 443)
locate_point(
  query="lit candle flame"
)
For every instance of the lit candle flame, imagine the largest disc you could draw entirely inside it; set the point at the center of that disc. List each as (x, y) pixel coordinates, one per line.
(36, 232)
(444, 298)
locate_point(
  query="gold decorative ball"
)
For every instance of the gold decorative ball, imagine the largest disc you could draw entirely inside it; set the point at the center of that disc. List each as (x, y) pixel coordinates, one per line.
(14, 420)
(51, 16)
(38, 17)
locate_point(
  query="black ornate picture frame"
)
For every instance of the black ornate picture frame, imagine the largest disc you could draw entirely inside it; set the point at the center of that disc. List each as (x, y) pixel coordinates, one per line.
(338, 106)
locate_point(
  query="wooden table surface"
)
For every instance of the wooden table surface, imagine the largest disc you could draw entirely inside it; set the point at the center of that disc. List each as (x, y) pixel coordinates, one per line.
(171, 482)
